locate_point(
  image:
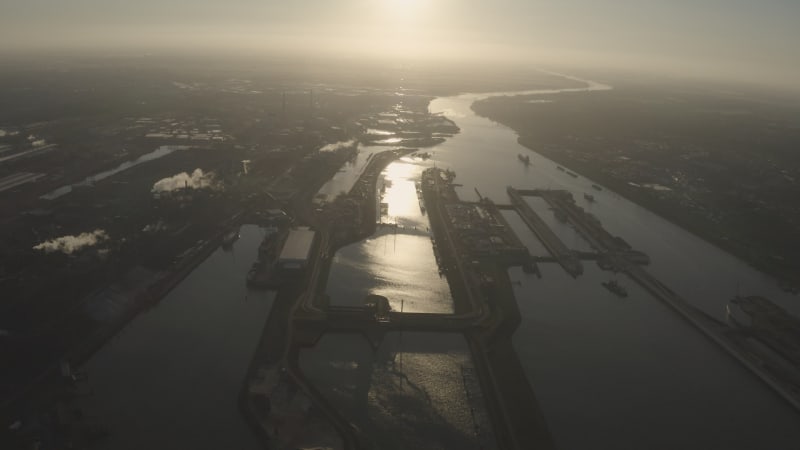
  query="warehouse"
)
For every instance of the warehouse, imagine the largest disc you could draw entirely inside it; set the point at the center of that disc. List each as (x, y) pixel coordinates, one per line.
(296, 249)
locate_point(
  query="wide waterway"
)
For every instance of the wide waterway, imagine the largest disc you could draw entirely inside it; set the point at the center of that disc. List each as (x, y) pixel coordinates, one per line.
(171, 378)
(622, 373)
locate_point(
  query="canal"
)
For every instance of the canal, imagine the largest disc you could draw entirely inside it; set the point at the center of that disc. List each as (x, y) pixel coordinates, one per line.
(416, 390)
(171, 378)
(398, 260)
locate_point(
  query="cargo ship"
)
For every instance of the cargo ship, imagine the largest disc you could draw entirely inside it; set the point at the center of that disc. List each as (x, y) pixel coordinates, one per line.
(261, 273)
(789, 287)
(229, 238)
(616, 288)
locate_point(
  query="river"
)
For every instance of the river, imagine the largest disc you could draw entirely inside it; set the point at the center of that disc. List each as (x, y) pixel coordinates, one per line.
(621, 373)
(171, 378)
(160, 152)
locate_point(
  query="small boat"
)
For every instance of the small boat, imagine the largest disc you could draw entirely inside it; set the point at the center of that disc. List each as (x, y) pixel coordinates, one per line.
(525, 159)
(616, 288)
(589, 197)
(789, 287)
(230, 237)
(572, 174)
(597, 187)
(736, 317)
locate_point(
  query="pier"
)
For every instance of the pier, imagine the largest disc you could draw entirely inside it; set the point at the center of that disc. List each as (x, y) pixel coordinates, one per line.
(729, 339)
(566, 257)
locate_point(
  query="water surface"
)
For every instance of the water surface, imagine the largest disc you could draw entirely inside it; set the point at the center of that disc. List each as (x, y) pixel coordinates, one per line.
(346, 177)
(398, 261)
(171, 378)
(623, 373)
(160, 152)
(413, 392)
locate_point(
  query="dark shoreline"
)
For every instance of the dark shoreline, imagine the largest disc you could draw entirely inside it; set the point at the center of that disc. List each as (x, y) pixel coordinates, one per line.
(44, 387)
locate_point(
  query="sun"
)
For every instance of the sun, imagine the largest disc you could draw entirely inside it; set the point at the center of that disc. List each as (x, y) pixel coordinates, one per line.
(404, 8)
(402, 27)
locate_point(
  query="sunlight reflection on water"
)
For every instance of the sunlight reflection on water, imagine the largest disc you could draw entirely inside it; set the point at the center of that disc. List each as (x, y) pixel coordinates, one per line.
(398, 260)
(409, 393)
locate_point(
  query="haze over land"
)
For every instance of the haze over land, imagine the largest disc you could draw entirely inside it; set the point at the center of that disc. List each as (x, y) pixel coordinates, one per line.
(740, 40)
(427, 224)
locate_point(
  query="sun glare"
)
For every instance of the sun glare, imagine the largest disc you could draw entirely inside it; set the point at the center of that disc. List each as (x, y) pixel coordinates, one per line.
(404, 8)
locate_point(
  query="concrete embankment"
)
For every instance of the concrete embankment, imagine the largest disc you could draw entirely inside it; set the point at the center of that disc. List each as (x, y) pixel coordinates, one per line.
(515, 399)
(554, 245)
(511, 402)
(270, 350)
(715, 332)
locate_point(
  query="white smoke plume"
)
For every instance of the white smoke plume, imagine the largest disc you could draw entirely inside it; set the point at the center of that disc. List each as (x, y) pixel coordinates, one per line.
(196, 180)
(337, 145)
(71, 244)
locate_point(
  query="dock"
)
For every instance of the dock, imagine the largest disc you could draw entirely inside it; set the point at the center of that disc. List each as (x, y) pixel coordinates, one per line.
(474, 246)
(565, 257)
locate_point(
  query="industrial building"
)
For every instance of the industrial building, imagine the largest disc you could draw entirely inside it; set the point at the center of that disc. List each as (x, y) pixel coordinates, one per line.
(297, 249)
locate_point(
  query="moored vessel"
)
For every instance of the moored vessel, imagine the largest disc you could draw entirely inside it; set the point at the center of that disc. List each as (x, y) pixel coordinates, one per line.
(616, 288)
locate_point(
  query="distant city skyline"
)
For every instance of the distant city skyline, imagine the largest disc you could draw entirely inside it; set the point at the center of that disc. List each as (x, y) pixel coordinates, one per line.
(743, 39)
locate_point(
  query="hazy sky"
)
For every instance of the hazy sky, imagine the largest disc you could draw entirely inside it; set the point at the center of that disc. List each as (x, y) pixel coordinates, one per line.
(747, 37)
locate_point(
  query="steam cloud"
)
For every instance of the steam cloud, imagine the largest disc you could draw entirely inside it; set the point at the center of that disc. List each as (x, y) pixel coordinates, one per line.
(337, 146)
(71, 244)
(196, 180)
